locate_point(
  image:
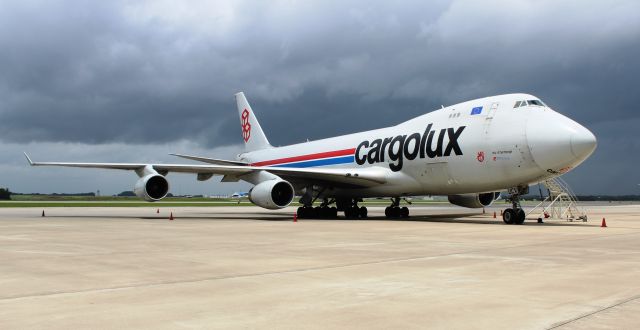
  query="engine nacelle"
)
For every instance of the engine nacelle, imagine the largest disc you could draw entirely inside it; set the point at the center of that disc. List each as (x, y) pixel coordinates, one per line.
(272, 194)
(152, 187)
(474, 200)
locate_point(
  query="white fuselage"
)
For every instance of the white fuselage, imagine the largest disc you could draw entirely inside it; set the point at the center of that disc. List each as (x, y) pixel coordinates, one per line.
(477, 146)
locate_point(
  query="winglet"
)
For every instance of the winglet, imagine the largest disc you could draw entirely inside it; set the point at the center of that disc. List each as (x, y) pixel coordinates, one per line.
(28, 159)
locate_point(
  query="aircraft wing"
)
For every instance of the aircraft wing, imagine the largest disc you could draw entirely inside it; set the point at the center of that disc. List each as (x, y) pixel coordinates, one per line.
(365, 177)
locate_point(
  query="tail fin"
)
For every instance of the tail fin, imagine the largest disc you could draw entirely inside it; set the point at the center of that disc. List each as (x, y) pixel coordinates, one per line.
(252, 134)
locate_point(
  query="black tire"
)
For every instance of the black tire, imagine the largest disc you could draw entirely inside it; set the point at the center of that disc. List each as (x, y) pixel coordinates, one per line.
(387, 212)
(395, 212)
(351, 212)
(363, 212)
(334, 212)
(520, 216)
(508, 216)
(300, 212)
(322, 212)
(404, 212)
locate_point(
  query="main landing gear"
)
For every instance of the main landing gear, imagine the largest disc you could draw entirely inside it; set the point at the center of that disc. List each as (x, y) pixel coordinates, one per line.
(516, 214)
(351, 208)
(395, 211)
(319, 212)
(324, 211)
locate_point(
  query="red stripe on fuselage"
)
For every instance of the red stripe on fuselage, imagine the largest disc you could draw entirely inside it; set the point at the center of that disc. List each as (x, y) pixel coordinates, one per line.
(345, 152)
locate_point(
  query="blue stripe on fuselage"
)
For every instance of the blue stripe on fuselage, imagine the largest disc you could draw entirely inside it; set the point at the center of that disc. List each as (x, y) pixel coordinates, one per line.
(320, 162)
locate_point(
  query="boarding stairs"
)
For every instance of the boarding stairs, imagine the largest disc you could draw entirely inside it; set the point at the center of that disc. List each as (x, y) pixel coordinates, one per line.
(561, 203)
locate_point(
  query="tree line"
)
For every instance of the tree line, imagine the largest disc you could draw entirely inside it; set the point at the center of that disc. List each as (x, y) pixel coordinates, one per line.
(5, 194)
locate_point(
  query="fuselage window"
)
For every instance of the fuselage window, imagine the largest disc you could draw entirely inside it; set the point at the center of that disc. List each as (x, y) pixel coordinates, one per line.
(517, 104)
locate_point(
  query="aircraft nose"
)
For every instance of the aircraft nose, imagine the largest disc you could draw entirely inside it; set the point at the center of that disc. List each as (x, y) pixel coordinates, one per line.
(559, 143)
(583, 143)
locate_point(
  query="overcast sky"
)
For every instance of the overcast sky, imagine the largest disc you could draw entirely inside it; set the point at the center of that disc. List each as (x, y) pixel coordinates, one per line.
(131, 81)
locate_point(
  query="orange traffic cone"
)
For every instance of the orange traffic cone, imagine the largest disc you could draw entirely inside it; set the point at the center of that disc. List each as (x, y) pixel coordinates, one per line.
(604, 223)
(171, 216)
(494, 214)
(43, 213)
(295, 216)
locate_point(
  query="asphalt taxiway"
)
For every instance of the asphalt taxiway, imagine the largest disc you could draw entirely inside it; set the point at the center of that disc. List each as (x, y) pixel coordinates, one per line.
(244, 267)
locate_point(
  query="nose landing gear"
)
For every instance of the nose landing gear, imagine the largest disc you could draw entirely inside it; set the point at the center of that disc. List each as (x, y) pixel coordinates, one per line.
(516, 214)
(513, 216)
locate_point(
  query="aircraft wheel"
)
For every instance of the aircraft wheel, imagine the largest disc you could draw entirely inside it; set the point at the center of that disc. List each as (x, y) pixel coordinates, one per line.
(519, 219)
(393, 212)
(363, 212)
(300, 212)
(330, 213)
(351, 212)
(508, 216)
(404, 212)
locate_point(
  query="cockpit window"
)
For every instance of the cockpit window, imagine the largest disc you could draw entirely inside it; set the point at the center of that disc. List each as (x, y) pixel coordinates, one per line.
(537, 103)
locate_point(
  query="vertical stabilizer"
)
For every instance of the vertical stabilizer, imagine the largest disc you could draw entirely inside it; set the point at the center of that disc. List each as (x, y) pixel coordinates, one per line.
(252, 134)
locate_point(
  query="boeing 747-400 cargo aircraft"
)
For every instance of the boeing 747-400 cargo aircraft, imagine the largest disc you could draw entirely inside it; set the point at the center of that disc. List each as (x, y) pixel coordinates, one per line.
(469, 151)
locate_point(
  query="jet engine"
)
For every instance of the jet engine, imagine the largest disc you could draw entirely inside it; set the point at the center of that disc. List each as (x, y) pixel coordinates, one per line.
(474, 200)
(272, 194)
(152, 187)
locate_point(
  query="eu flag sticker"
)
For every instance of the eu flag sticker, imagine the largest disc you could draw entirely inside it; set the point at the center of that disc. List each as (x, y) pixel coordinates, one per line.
(476, 111)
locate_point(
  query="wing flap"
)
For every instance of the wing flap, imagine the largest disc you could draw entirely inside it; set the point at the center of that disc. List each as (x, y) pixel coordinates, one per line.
(211, 160)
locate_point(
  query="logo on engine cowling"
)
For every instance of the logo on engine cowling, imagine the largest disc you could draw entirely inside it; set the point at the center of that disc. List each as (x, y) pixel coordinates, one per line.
(410, 147)
(246, 126)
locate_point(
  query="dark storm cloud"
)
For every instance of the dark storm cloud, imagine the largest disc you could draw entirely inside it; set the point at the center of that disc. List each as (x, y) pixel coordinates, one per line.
(155, 72)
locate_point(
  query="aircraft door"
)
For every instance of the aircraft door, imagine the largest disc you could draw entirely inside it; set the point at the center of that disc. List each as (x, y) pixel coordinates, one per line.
(492, 110)
(490, 114)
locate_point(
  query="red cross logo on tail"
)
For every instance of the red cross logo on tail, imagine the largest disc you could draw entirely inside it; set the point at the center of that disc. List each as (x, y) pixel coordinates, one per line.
(246, 126)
